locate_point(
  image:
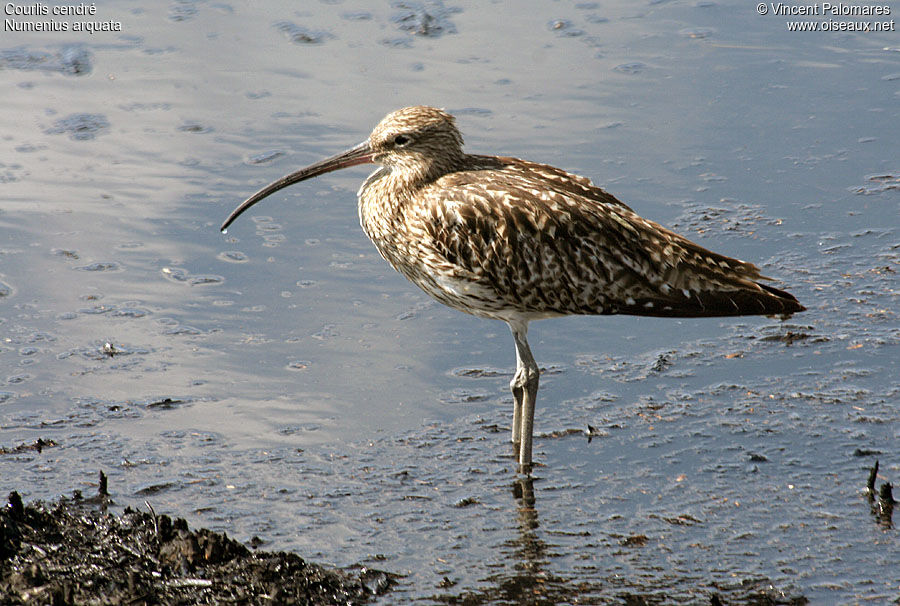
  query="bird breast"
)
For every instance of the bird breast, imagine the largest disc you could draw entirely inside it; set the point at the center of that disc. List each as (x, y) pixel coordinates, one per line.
(466, 250)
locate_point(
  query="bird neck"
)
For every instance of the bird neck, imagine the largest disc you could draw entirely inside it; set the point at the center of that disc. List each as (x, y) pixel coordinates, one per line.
(413, 173)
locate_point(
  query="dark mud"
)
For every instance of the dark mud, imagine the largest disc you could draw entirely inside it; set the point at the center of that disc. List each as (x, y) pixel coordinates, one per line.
(75, 551)
(882, 501)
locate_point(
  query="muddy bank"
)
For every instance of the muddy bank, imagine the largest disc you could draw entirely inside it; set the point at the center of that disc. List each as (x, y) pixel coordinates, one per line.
(75, 551)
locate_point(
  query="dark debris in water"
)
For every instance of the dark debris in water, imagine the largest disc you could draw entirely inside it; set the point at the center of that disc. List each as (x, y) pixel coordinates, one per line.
(195, 128)
(631, 69)
(37, 446)
(74, 551)
(467, 502)
(790, 337)
(182, 10)
(877, 184)
(103, 351)
(178, 274)
(697, 32)
(263, 157)
(882, 501)
(100, 266)
(299, 34)
(634, 540)
(480, 373)
(430, 19)
(73, 60)
(465, 396)
(65, 253)
(80, 127)
(737, 218)
(165, 403)
(564, 27)
(663, 362)
(865, 452)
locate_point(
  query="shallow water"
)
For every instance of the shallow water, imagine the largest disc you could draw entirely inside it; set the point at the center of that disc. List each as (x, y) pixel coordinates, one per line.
(282, 381)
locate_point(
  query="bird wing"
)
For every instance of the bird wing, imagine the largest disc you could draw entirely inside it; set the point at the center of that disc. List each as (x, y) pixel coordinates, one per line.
(544, 242)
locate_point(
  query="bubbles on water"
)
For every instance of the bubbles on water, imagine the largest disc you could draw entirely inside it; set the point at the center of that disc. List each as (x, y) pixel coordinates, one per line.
(482, 372)
(20, 378)
(80, 127)
(182, 331)
(263, 157)
(204, 279)
(103, 350)
(182, 10)
(877, 184)
(299, 34)
(594, 18)
(736, 219)
(96, 309)
(130, 312)
(328, 331)
(288, 430)
(430, 19)
(357, 16)
(263, 226)
(67, 254)
(462, 395)
(565, 28)
(631, 69)
(178, 274)
(397, 42)
(232, 256)
(273, 240)
(175, 274)
(101, 266)
(74, 60)
(195, 127)
(10, 173)
(144, 107)
(29, 148)
(154, 488)
(697, 32)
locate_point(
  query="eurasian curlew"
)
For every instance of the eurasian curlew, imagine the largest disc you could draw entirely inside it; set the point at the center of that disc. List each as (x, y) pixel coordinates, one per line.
(517, 241)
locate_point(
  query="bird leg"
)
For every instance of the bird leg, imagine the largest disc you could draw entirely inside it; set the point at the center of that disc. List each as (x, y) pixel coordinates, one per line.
(524, 386)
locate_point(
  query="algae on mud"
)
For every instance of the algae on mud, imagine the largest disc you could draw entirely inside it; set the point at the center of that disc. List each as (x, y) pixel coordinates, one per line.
(74, 551)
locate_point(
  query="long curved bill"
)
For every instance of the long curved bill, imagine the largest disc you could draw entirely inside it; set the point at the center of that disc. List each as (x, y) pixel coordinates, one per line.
(361, 154)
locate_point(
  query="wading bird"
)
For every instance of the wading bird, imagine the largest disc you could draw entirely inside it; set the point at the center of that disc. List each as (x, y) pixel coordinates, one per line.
(517, 241)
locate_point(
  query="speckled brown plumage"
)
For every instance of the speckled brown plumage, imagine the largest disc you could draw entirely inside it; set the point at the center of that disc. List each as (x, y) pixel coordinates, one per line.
(514, 240)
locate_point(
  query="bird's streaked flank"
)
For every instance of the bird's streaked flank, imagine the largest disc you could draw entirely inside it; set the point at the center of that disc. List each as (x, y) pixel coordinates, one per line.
(517, 241)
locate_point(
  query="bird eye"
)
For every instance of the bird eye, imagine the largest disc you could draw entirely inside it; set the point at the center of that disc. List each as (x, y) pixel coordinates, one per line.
(401, 140)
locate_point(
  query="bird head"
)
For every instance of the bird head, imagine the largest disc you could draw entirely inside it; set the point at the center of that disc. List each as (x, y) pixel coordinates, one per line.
(418, 144)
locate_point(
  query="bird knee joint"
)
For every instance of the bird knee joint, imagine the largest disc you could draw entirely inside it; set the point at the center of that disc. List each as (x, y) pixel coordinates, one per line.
(524, 377)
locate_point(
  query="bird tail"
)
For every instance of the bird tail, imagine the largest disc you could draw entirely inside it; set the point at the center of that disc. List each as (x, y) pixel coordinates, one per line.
(753, 299)
(707, 284)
